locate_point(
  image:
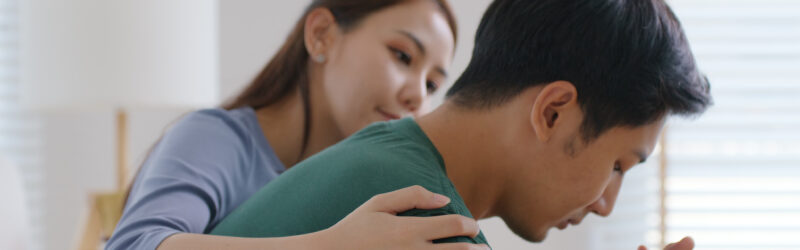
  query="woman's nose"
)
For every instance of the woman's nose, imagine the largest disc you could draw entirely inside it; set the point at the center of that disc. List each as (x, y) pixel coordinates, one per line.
(413, 95)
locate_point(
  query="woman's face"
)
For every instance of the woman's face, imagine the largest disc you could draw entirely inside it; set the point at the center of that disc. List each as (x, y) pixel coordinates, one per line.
(388, 66)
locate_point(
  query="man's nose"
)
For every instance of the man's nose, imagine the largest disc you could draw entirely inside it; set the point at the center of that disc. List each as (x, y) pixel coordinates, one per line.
(605, 204)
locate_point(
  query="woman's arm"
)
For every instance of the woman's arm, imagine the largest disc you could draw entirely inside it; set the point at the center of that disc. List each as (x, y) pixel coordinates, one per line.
(213, 242)
(374, 225)
(201, 169)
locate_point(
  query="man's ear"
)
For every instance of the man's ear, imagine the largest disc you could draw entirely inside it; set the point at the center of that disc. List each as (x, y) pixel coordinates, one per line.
(551, 104)
(319, 32)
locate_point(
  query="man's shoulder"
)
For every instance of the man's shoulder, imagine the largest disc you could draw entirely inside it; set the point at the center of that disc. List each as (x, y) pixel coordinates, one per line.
(323, 189)
(378, 155)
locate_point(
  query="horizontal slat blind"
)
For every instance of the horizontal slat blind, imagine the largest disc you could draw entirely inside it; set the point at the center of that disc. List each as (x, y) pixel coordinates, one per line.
(18, 130)
(635, 219)
(734, 174)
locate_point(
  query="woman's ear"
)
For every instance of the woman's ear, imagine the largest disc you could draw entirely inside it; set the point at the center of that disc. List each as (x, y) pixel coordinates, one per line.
(319, 33)
(554, 104)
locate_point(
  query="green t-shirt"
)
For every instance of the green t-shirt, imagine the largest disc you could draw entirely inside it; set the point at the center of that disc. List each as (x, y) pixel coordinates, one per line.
(318, 192)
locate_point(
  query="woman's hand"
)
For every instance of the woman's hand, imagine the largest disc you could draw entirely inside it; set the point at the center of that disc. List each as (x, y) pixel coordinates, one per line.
(685, 244)
(374, 225)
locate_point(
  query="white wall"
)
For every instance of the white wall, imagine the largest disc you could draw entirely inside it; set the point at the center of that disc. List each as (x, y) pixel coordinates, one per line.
(127, 53)
(82, 59)
(15, 229)
(251, 31)
(78, 158)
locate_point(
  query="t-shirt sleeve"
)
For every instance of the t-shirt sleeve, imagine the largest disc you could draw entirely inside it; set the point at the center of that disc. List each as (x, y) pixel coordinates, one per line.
(182, 183)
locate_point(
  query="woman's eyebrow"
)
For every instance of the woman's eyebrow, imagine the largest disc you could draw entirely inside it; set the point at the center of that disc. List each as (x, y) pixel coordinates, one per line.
(414, 38)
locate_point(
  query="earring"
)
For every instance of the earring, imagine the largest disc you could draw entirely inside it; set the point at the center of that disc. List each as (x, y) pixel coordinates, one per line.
(320, 58)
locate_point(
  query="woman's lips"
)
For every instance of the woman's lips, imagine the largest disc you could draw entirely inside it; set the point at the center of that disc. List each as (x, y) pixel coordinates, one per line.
(388, 116)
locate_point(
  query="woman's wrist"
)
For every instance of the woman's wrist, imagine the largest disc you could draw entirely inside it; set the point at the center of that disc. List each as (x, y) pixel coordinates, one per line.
(317, 240)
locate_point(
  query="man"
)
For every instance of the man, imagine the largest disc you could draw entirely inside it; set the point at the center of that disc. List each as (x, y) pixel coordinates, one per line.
(561, 98)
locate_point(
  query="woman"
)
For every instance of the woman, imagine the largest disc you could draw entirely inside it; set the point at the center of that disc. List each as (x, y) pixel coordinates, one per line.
(346, 64)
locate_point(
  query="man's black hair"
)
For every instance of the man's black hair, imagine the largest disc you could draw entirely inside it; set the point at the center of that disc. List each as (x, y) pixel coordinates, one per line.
(628, 59)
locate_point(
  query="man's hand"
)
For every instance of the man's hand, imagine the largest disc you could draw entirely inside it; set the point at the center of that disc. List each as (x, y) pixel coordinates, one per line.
(685, 244)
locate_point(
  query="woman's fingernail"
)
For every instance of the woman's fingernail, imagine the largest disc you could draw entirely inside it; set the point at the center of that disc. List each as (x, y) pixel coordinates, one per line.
(441, 198)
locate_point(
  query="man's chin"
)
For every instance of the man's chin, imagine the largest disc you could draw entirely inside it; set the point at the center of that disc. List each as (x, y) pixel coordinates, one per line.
(533, 236)
(538, 238)
(527, 232)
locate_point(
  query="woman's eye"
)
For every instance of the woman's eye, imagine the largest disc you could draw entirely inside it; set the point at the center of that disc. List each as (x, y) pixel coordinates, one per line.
(402, 56)
(431, 86)
(618, 167)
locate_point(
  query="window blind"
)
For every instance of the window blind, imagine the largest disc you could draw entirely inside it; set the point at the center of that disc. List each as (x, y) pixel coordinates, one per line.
(733, 176)
(18, 130)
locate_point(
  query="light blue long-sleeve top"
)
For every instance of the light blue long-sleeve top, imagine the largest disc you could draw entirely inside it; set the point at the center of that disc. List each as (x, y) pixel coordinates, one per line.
(204, 167)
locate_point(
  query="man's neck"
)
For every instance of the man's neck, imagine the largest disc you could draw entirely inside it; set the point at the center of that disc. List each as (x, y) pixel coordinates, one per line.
(467, 142)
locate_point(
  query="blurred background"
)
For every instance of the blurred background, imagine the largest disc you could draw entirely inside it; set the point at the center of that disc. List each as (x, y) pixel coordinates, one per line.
(87, 86)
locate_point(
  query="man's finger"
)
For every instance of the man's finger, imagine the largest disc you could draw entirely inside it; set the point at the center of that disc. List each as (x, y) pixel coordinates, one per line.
(685, 244)
(406, 199)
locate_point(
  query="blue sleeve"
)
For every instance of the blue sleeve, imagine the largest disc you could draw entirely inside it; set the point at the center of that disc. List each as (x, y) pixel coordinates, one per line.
(183, 181)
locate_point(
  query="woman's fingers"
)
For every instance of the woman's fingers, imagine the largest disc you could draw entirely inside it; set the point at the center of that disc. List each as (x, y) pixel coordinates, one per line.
(442, 226)
(375, 224)
(435, 227)
(460, 246)
(405, 199)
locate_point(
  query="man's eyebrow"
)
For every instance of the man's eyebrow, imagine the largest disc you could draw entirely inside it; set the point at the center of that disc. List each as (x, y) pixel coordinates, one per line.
(421, 48)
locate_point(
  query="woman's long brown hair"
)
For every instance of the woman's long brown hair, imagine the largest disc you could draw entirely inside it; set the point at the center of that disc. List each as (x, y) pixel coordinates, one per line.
(287, 71)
